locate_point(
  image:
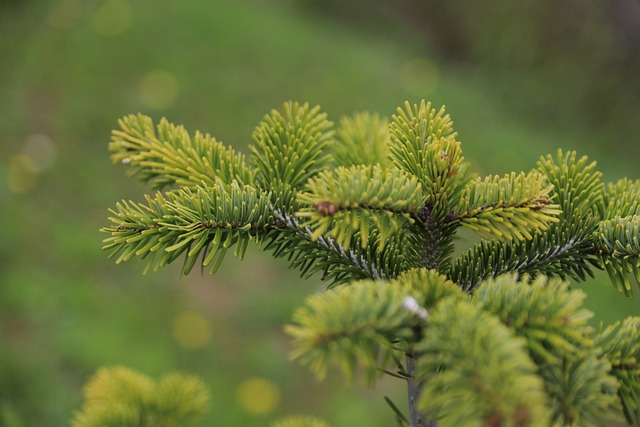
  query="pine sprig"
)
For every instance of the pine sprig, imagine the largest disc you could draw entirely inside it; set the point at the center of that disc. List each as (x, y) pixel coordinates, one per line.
(423, 143)
(289, 148)
(326, 333)
(545, 312)
(483, 376)
(559, 252)
(360, 200)
(513, 206)
(294, 241)
(120, 397)
(167, 155)
(351, 325)
(581, 390)
(201, 221)
(618, 240)
(550, 316)
(362, 139)
(617, 237)
(565, 249)
(621, 199)
(576, 184)
(620, 343)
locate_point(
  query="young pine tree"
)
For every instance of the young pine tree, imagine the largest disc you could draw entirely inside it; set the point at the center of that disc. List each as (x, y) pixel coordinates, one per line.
(492, 337)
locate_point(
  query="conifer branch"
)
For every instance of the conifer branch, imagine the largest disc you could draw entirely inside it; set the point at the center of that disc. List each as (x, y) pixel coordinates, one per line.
(423, 143)
(620, 343)
(326, 333)
(565, 249)
(514, 206)
(581, 390)
(617, 236)
(618, 240)
(545, 312)
(362, 139)
(289, 148)
(482, 377)
(203, 221)
(551, 318)
(576, 184)
(360, 200)
(167, 155)
(621, 199)
(295, 241)
(377, 211)
(361, 323)
(119, 397)
(559, 252)
(428, 286)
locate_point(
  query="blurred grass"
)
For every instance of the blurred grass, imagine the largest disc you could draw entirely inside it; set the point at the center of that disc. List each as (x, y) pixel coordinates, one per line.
(69, 69)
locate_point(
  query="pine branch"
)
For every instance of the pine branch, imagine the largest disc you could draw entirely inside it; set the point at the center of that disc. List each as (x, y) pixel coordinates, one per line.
(360, 200)
(360, 323)
(618, 240)
(167, 155)
(289, 149)
(621, 345)
(477, 372)
(576, 184)
(565, 249)
(617, 236)
(362, 139)
(581, 390)
(203, 221)
(424, 144)
(367, 321)
(551, 318)
(621, 199)
(545, 312)
(119, 397)
(514, 206)
(383, 207)
(294, 241)
(559, 252)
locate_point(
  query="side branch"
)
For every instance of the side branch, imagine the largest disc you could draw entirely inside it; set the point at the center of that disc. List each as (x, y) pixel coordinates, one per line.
(205, 221)
(327, 253)
(561, 252)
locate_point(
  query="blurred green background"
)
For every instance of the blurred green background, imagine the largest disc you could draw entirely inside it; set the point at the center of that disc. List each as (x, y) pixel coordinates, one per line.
(520, 79)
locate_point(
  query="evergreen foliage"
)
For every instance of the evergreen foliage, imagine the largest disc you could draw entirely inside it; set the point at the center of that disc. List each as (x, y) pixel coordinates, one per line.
(120, 397)
(484, 376)
(491, 337)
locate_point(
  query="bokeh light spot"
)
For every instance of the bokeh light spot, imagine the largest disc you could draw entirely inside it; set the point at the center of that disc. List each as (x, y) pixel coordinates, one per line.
(191, 330)
(158, 89)
(64, 14)
(258, 395)
(419, 76)
(112, 18)
(41, 149)
(23, 174)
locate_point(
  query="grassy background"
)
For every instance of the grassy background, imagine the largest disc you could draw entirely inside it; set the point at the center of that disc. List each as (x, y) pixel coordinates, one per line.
(69, 69)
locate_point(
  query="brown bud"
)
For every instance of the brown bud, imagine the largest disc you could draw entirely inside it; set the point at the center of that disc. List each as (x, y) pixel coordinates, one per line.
(326, 208)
